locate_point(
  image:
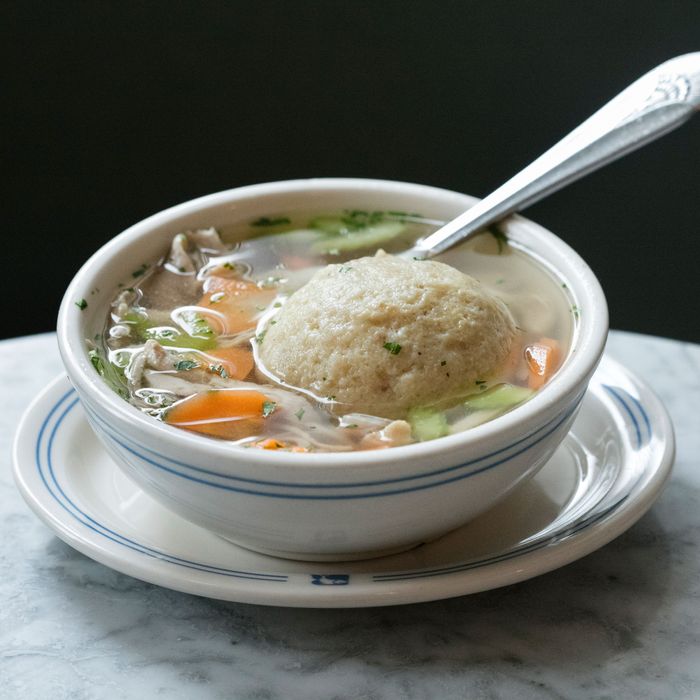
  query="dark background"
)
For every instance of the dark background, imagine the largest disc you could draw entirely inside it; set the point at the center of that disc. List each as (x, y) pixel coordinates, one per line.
(115, 110)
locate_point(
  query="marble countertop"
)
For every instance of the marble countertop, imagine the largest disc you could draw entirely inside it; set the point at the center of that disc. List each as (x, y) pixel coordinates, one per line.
(624, 622)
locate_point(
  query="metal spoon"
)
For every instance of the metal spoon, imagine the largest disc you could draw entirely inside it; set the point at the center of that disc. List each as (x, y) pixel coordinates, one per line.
(661, 100)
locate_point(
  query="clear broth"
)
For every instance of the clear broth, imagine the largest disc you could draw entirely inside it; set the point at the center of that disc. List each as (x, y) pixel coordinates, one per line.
(271, 258)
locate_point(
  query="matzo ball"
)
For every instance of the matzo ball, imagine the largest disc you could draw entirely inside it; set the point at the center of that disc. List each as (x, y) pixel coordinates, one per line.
(383, 334)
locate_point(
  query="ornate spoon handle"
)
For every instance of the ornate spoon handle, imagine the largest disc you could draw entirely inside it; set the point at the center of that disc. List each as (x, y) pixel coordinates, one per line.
(661, 100)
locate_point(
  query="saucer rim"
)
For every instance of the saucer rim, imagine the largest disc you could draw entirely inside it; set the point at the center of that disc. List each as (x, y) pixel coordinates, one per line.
(365, 593)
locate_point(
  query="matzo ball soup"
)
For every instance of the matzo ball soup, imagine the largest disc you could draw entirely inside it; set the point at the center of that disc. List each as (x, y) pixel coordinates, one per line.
(182, 340)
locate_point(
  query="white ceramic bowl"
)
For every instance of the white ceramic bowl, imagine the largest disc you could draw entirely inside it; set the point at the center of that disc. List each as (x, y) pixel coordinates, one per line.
(325, 506)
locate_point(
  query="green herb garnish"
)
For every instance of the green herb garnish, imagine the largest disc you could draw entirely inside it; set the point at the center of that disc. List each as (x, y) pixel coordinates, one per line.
(81, 304)
(393, 348)
(140, 271)
(268, 408)
(184, 365)
(113, 375)
(267, 221)
(96, 361)
(404, 214)
(220, 370)
(501, 238)
(300, 414)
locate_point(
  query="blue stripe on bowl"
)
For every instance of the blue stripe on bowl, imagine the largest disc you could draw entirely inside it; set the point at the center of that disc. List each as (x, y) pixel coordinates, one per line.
(166, 464)
(632, 407)
(345, 496)
(76, 512)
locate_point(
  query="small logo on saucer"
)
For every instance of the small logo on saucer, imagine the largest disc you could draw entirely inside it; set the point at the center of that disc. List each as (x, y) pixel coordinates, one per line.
(330, 579)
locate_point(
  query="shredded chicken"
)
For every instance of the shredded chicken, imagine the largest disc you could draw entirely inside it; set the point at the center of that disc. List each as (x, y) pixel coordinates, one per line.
(122, 304)
(395, 434)
(179, 258)
(207, 239)
(153, 356)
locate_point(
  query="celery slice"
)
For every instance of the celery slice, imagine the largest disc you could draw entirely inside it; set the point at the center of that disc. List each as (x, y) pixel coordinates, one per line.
(501, 397)
(173, 338)
(366, 237)
(427, 423)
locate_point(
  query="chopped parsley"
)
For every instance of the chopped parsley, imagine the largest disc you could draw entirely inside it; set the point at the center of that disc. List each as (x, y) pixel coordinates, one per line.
(267, 221)
(393, 348)
(229, 266)
(260, 337)
(404, 214)
(81, 304)
(300, 414)
(277, 305)
(576, 311)
(96, 361)
(268, 408)
(184, 365)
(111, 374)
(220, 370)
(356, 219)
(501, 238)
(140, 271)
(344, 268)
(443, 363)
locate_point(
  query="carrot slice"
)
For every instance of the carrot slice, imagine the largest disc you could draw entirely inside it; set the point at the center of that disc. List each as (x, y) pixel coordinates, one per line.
(240, 301)
(269, 444)
(542, 360)
(272, 444)
(237, 361)
(231, 414)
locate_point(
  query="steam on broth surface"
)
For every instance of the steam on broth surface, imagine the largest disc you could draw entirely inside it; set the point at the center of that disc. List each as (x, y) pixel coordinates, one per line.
(183, 337)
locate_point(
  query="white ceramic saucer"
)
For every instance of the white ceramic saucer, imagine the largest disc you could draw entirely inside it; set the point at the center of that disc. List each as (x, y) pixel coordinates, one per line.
(602, 479)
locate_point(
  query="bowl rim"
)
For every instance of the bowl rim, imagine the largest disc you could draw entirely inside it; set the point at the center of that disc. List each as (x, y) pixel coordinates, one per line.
(589, 338)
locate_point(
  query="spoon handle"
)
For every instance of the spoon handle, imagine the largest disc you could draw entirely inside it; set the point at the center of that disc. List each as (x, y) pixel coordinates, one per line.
(661, 100)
